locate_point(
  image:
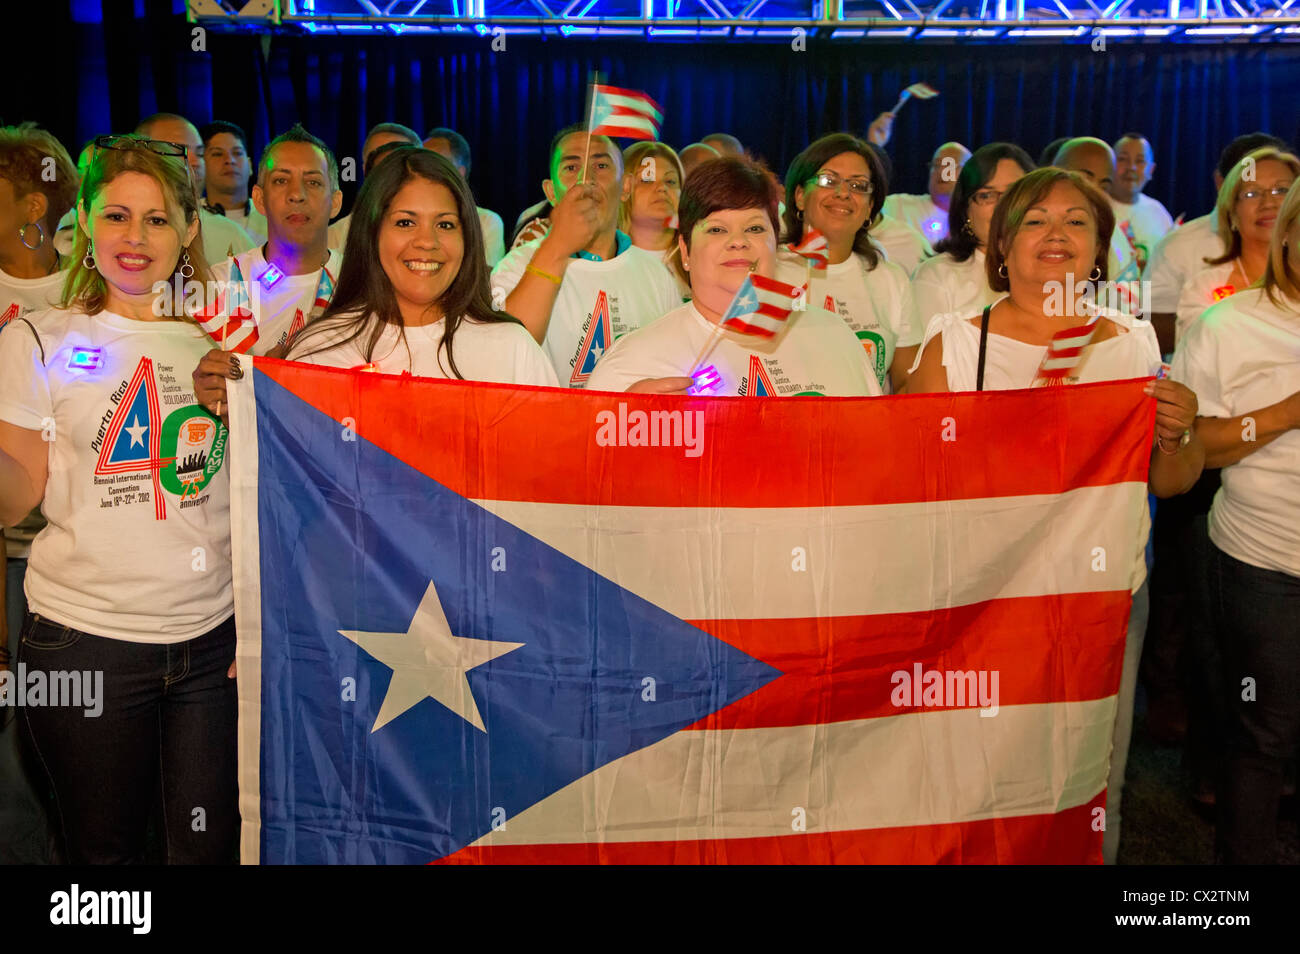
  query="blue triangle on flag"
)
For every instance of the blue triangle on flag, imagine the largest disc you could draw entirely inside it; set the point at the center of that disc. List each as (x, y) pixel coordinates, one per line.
(595, 347)
(429, 783)
(132, 444)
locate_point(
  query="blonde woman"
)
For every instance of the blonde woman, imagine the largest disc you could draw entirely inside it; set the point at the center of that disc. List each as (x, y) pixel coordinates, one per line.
(1242, 357)
(652, 188)
(130, 581)
(1245, 214)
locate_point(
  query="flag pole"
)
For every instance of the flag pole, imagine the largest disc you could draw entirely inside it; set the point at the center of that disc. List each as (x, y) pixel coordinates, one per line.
(707, 350)
(592, 82)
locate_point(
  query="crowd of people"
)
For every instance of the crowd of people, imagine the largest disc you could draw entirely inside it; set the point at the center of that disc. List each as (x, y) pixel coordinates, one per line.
(118, 547)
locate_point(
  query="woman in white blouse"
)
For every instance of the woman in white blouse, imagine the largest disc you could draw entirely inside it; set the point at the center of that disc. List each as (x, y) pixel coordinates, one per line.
(1242, 357)
(954, 281)
(1049, 227)
(1246, 211)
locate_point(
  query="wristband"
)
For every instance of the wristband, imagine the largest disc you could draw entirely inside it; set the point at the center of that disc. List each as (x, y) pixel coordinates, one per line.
(533, 269)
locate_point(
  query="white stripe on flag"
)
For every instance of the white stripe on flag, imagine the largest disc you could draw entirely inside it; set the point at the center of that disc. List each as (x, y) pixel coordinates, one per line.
(734, 562)
(924, 768)
(629, 102)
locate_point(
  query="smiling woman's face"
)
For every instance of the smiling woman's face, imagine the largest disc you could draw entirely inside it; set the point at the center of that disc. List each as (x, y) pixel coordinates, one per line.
(137, 238)
(421, 246)
(1057, 236)
(725, 247)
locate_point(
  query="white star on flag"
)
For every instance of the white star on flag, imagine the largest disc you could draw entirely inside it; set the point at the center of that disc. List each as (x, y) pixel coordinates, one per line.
(136, 430)
(428, 661)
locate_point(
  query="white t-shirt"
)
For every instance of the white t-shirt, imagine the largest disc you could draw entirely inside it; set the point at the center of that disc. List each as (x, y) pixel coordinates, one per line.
(285, 307)
(921, 214)
(503, 352)
(877, 304)
(222, 237)
(944, 286)
(1198, 294)
(1149, 219)
(138, 501)
(253, 222)
(902, 244)
(494, 241)
(1242, 355)
(18, 297)
(1010, 364)
(598, 303)
(816, 354)
(1177, 256)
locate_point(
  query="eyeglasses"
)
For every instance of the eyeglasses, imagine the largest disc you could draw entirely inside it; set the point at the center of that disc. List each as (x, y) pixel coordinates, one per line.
(829, 180)
(986, 196)
(161, 147)
(1252, 195)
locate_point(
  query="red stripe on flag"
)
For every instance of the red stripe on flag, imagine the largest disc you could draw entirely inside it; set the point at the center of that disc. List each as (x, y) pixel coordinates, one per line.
(1025, 840)
(745, 328)
(961, 446)
(1045, 649)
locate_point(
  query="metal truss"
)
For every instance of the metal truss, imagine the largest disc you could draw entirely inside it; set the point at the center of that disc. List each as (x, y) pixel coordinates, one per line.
(939, 22)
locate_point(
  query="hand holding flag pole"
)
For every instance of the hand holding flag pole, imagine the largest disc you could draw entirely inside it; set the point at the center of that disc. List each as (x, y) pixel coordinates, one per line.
(919, 90)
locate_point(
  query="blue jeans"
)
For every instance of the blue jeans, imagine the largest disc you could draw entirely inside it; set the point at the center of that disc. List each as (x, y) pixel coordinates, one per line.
(24, 836)
(166, 729)
(1257, 616)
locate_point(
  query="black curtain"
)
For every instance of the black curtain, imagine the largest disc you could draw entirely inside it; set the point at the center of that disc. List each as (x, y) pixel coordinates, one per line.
(141, 57)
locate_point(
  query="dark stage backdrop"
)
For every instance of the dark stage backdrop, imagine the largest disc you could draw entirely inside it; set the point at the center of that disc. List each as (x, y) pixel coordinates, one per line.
(120, 61)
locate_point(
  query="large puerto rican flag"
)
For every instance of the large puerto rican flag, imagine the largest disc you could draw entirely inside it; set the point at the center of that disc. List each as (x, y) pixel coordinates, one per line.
(480, 623)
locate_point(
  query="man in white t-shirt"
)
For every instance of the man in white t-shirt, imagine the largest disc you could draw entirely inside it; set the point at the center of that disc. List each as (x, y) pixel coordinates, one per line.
(455, 148)
(228, 169)
(379, 135)
(294, 273)
(928, 214)
(1149, 220)
(584, 284)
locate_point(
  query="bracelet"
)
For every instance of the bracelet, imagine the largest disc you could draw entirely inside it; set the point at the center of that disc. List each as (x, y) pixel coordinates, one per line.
(530, 267)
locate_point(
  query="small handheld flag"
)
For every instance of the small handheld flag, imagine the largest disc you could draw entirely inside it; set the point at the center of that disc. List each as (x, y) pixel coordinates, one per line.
(625, 113)
(761, 306)
(919, 90)
(1065, 351)
(229, 321)
(813, 247)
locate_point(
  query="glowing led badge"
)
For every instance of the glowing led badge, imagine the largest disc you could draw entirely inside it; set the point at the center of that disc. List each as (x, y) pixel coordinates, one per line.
(1223, 291)
(705, 380)
(270, 277)
(85, 359)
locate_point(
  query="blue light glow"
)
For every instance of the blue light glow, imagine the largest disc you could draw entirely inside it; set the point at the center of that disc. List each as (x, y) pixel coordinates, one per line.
(85, 359)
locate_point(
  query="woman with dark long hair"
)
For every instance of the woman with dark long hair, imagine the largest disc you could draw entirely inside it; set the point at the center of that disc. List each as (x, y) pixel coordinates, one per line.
(954, 281)
(412, 294)
(837, 186)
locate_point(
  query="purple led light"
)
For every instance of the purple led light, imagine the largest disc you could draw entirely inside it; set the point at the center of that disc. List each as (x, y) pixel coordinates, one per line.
(85, 359)
(705, 380)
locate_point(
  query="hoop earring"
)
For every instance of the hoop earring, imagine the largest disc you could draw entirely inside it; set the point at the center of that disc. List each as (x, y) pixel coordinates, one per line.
(965, 227)
(1092, 277)
(22, 235)
(1002, 270)
(88, 262)
(185, 263)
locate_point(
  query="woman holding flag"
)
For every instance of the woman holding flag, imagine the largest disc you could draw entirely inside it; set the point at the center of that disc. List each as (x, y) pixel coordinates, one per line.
(743, 333)
(129, 585)
(412, 295)
(833, 191)
(1049, 227)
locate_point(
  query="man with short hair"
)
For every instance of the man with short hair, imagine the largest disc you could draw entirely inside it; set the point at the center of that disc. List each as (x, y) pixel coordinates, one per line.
(1146, 217)
(928, 214)
(696, 154)
(724, 144)
(222, 237)
(379, 135)
(1093, 159)
(454, 147)
(292, 276)
(584, 284)
(228, 169)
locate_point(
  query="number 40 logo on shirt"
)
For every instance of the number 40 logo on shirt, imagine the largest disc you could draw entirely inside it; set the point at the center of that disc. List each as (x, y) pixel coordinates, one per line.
(182, 454)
